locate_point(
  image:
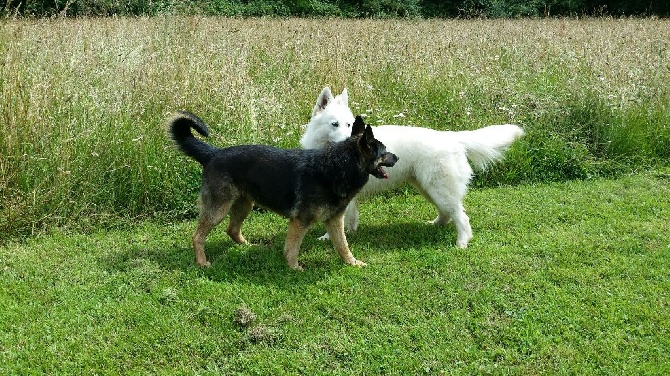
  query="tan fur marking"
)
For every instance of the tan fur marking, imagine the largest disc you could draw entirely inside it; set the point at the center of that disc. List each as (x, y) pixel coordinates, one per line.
(296, 232)
(240, 210)
(335, 227)
(199, 243)
(208, 220)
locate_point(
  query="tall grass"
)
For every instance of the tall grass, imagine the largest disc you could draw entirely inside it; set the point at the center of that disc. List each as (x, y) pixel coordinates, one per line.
(84, 102)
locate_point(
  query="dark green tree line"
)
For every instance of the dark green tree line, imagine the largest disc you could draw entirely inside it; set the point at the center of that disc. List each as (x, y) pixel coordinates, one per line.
(339, 8)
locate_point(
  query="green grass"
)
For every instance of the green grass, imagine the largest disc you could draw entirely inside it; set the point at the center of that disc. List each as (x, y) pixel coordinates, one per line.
(82, 138)
(561, 278)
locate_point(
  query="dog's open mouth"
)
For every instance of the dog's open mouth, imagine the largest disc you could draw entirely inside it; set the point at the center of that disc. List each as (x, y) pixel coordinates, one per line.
(388, 160)
(380, 173)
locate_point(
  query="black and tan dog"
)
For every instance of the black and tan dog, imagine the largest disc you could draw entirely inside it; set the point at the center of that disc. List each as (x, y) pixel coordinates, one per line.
(305, 186)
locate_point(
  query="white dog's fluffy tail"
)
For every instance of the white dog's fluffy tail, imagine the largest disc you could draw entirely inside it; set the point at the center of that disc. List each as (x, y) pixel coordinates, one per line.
(486, 145)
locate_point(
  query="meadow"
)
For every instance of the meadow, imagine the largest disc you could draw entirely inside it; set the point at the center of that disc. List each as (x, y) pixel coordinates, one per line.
(567, 272)
(84, 102)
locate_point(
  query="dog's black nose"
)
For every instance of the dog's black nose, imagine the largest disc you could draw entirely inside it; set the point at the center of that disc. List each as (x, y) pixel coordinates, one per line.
(389, 160)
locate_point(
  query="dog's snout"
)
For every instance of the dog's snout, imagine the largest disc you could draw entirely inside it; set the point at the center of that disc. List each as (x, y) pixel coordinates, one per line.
(389, 159)
(395, 158)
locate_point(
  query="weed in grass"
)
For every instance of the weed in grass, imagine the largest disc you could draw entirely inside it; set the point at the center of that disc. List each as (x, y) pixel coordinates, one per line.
(261, 335)
(244, 317)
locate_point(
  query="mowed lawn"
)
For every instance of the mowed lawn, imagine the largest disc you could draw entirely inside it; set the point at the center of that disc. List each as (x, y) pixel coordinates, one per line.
(560, 278)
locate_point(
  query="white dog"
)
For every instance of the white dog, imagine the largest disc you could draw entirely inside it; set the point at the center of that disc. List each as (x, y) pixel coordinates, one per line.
(435, 162)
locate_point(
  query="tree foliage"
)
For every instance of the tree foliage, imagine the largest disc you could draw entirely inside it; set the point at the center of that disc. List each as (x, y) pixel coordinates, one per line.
(339, 8)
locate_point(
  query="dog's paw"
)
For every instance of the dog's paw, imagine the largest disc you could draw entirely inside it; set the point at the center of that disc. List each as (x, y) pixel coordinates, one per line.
(205, 264)
(462, 244)
(350, 225)
(238, 237)
(324, 237)
(358, 263)
(440, 221)
(297, 268)
(463, 240)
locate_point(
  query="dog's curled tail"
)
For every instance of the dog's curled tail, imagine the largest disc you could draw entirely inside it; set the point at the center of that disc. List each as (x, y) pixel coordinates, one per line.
(487, 145)
(180, 128)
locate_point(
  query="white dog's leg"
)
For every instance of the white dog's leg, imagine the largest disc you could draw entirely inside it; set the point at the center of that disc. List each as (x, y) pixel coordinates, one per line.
(461, 222)
(351, 216)
(447, 196)
(463, 228)
(324, 237)
(443, 216)
(350, 219)
(442, 219)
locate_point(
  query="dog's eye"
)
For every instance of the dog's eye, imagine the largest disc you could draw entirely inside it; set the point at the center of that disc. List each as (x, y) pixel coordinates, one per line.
(335, 124)
(348, 125)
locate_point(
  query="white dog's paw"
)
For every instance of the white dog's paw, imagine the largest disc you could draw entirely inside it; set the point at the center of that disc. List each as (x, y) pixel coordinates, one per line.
(462, 244)
(350, 224)
(324, 237)
(463, 240)
(441, 221)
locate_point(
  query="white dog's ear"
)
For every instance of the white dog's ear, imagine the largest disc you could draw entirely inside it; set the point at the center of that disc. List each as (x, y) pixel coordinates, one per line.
(343, 98)
(322, 101)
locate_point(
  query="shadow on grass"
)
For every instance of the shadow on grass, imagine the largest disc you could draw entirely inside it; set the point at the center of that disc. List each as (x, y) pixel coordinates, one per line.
(263, 263)
(396, 236)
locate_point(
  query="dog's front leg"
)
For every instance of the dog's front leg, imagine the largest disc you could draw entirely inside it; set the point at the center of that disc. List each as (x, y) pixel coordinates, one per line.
(296, 232)
(335, 227)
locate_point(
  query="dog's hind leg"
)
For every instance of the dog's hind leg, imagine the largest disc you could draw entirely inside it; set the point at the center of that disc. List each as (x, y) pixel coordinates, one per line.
(447, 196)
(238, 213)
(335, 227)
(296, 232)
(448, 207)
(443, 216)
(210, 216)
(463, 228)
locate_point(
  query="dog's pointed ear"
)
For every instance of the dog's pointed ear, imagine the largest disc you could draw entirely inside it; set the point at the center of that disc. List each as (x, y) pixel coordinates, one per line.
(358, 127)
(368, 136)
(343, 98)
(324, 99)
